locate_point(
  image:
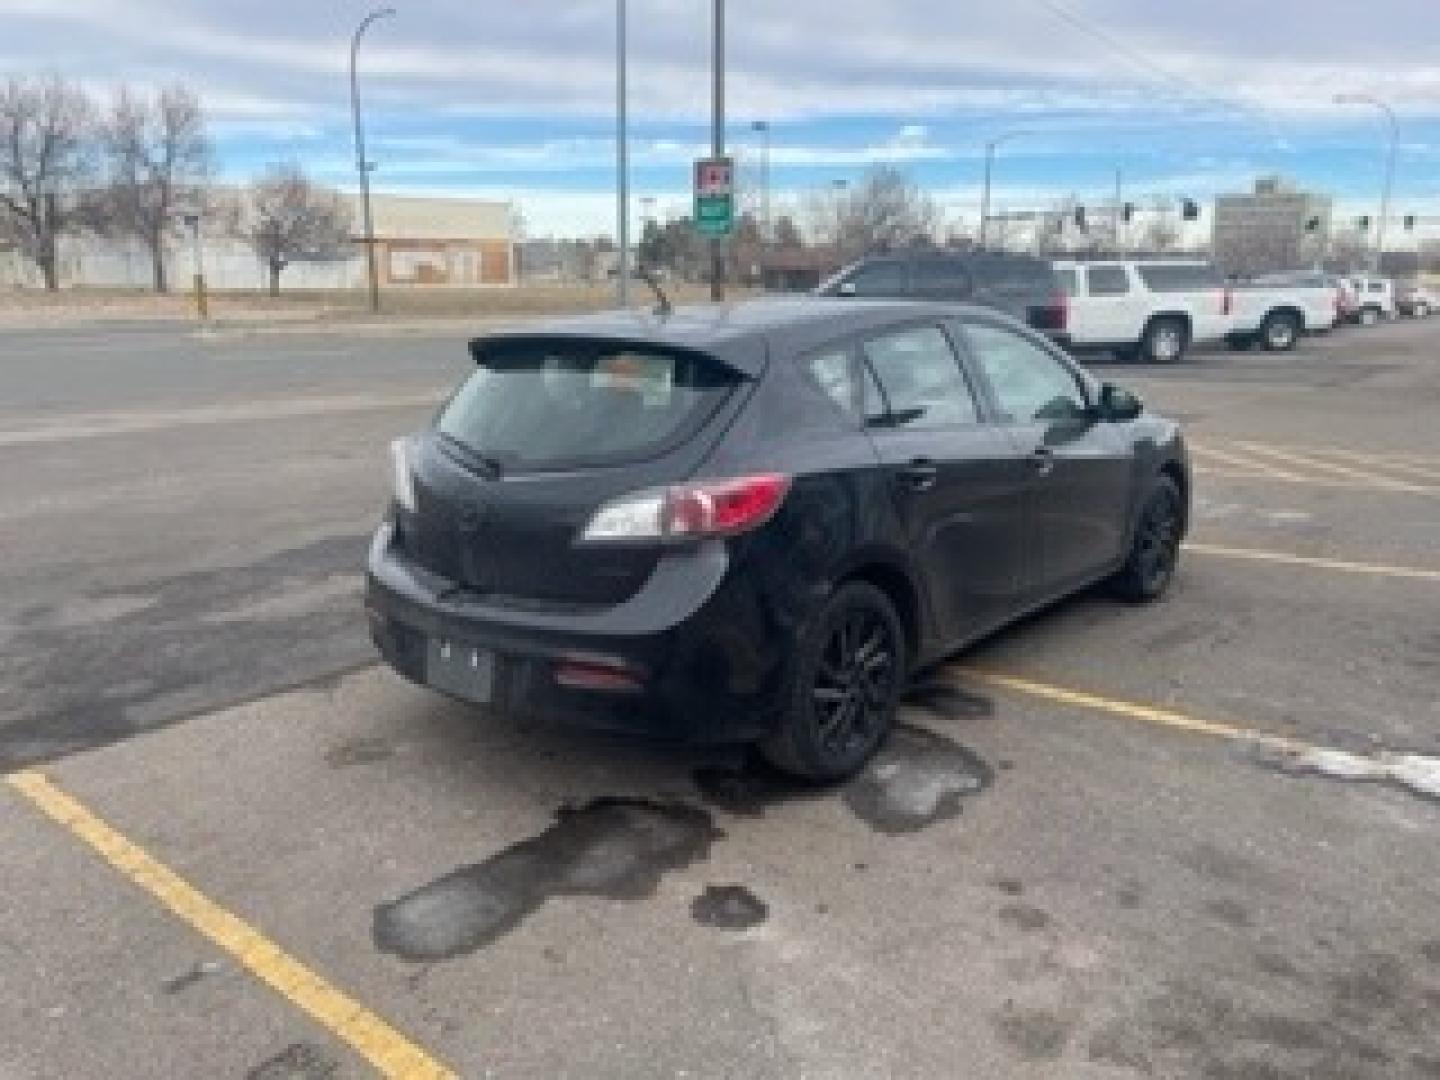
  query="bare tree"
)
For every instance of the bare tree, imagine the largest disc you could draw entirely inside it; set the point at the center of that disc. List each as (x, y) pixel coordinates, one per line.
(1161, 235)
(46, 165)
(286, 218)
(886, 210)
(158, 158)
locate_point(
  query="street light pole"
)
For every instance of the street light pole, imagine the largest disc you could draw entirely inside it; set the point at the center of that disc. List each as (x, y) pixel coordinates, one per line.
(1388, 189)
(763, 128)
(360, 163)
(622, 155)
(985, 198)
(717, 141)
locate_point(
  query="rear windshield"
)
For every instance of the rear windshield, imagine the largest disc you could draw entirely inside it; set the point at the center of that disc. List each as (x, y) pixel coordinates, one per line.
(1016, 273)
(549, 405)
(1179, 277)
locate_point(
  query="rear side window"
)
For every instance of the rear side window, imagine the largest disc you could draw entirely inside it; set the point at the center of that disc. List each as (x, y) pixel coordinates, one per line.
(539, 405)
(1107, 280)
(1179, 277)
(1067, 279)
(920, 381)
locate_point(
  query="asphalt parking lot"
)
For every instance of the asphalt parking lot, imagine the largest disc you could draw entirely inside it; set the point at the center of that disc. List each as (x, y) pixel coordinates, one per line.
(1187, 840)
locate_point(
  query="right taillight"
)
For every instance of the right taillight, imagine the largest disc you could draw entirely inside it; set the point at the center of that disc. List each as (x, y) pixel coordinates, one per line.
(1062, 310)
(690, 511)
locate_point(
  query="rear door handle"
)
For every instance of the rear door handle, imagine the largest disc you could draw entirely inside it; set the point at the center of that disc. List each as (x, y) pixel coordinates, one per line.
(920, 475)
(1043, 459)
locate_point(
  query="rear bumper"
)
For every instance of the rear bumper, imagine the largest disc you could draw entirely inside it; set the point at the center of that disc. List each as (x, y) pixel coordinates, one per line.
(697, 635)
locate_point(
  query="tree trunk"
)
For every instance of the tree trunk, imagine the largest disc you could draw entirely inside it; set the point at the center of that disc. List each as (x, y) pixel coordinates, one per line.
(47, 261)
(157, 263)
(275, 267)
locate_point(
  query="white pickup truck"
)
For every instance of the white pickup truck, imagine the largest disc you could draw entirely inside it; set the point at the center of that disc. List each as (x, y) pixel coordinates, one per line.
(1274, 312)
(1153, 310)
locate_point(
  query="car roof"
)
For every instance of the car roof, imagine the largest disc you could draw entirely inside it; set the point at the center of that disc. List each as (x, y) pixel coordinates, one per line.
(740, 335)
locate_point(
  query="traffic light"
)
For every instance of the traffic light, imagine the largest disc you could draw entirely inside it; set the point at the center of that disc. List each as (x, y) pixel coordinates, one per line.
(1363, 223)
(1080, 218)
(1128, 212)
(1313, 225)
(1409, 222)
(1189, 210)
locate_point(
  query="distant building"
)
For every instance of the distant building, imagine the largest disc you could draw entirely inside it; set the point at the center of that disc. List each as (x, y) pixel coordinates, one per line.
(1274, 229)
(418, 241)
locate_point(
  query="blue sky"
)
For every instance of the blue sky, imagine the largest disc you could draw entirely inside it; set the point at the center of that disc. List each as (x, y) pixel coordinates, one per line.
(517, 100)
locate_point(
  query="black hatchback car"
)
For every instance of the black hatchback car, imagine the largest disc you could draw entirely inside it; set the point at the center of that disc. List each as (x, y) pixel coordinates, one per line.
(1021, 286)
(754, 523)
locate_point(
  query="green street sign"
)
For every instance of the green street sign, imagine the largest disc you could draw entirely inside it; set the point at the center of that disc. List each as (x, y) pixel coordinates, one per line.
(715, 196)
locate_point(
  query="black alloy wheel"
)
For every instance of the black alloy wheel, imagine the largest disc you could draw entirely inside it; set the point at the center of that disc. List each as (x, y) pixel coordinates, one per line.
(1155, 551)
(847, 678)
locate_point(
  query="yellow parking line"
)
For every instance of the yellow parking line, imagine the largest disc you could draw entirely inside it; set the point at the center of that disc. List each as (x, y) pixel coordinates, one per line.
(1413, 573)
(385, 1048)
(1151, 714)
(1206, 450)
(1387, 482)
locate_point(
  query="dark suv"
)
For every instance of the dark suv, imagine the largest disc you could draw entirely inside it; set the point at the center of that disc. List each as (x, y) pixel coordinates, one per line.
(1022, 286)
(753, 523)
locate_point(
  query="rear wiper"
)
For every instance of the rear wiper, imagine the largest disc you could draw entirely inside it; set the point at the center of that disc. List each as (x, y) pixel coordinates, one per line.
(489, 466)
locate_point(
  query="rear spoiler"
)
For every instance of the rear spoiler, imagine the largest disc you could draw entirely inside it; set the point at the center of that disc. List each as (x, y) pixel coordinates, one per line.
(745, 357)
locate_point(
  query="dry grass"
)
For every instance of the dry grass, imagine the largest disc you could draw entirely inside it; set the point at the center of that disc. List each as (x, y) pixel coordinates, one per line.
(31, 307)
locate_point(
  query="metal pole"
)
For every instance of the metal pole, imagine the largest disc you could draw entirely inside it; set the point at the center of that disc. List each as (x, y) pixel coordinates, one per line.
(361, 164)
(1389, 183)
(985, 198)
(1119, 211)
(763, 127)
(622, 152)
(717, 142)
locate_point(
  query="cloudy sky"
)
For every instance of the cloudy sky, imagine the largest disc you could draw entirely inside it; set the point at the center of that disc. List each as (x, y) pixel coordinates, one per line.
(496, 97)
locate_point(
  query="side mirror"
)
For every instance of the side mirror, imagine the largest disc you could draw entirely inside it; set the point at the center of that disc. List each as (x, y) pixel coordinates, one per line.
(847, 289)
(1118, 405)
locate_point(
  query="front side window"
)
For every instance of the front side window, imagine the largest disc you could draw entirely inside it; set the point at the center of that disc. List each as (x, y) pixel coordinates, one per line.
(548, 404)
(920, 380)
(878, 279)
(1107, 280)
(1029, 383)
(940, 279)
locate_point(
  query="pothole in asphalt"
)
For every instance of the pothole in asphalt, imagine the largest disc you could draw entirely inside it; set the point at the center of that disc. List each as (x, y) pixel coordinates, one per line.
(728, 907)
(609, 847)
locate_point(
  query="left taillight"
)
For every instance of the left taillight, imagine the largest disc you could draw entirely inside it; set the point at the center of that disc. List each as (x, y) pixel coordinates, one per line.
(690, 511)
(404, 476)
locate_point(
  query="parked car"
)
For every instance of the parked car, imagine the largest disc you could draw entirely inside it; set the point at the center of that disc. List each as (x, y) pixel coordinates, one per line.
(1152, 310)
(1275, 311)
(1416, 301)
(1019, 285)
(753, 523)
(1375, 299)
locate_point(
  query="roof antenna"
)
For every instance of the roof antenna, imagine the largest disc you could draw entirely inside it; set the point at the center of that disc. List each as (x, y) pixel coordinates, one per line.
(663, 307)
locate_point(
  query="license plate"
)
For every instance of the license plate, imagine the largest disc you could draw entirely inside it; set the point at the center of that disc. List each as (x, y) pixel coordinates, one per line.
(460, 670)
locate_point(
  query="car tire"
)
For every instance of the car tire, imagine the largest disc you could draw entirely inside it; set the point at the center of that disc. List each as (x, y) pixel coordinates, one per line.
(1369, 316)
(1280, 332)
(844, 687)
(1155, 546)
(1164, 341)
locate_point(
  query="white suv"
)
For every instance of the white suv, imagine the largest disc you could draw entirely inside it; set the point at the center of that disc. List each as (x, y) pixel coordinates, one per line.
(1375, 300)
(1152, 309)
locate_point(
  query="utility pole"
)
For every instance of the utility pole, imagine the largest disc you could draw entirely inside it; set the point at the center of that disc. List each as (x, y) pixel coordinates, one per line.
(622, 156)
(717, 142)
(372, 271)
